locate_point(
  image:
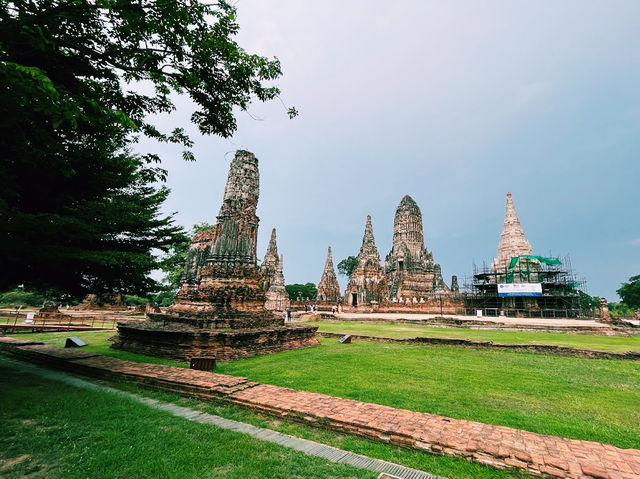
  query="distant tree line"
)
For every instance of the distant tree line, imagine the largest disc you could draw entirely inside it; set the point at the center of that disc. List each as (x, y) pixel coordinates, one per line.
(302, 292)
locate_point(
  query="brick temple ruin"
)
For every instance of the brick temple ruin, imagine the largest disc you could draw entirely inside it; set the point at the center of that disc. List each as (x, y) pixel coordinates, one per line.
(220, 308)
(410, 279)
(519, 283)
(277, 298)
(367, 283)
(328, 287)
(410, 269)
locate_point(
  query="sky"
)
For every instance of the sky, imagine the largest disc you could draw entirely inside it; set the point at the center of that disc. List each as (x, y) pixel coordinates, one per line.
(454, 103)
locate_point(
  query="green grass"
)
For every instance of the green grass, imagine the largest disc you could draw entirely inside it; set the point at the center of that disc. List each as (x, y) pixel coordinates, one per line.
(446, 466)
(590, 399)
(97, 342)
(399, 330)
(51, 429)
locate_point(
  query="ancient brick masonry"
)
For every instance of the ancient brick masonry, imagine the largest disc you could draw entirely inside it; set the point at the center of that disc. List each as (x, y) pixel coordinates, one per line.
(220, 308)
(410, 269)
(270, 262)
(277, 296)
(496, 446)
(512, 240)
(367, 282)
(328, 288)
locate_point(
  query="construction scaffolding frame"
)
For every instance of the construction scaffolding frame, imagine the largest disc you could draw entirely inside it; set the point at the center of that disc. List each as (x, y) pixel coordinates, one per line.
(560, 289)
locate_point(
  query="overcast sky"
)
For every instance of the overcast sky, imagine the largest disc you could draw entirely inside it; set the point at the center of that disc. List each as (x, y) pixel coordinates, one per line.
(452, 102)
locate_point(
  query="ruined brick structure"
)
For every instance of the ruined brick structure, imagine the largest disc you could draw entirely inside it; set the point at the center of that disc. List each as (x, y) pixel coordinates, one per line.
(328, 288)
(454, 284)
(270, 262)
(112, 302)
(410, 269)
(277, 296)
(220, 308)
(367, 282)
(51, 311)
(512, 240)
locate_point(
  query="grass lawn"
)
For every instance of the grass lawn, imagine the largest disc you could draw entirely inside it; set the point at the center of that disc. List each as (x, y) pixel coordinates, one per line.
(50, 429)
(97, 342)
(399, 330)
(591, 399)
(446, 466)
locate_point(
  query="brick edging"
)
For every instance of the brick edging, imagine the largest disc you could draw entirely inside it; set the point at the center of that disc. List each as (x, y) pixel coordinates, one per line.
(497, 446)
(533, 348)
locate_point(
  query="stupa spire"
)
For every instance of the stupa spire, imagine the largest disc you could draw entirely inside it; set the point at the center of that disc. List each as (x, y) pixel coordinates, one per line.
(367, 282)
(328, 288)
(273, 247)
(512, 240)
(269, 264)
(368, 248)
(277, 297)
(411, 271)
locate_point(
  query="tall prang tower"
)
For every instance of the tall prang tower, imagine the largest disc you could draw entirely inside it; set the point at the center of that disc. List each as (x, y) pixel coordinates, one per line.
(367, 282)
(410, 269)
(269, 266)
(512, 239)
(220, 308)
(328, 288)
(221, 273)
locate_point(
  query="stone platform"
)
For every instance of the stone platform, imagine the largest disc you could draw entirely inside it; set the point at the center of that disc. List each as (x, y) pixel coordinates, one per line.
(497, 446)
(188, 337)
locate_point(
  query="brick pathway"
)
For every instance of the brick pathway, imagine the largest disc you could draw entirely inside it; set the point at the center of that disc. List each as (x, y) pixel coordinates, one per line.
(497, 446)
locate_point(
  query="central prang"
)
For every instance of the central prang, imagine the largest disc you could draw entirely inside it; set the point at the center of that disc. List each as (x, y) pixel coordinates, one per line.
(220, 308)
(222, 279)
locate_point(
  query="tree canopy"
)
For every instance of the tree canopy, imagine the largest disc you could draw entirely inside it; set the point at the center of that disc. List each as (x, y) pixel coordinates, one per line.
(302, 292)
(347, 265)
(629, 292)
(81, 83)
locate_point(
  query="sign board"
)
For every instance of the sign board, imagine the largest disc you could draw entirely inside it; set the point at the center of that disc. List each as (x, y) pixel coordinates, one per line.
(478, 313)
(30, 315)
(346, 339)
(520, 289)
(74, 342)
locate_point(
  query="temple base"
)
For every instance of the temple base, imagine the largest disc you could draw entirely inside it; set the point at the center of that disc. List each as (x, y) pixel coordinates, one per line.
(181, 342)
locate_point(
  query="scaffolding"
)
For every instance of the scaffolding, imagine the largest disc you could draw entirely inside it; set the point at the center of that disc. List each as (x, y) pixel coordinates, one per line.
(560, 297)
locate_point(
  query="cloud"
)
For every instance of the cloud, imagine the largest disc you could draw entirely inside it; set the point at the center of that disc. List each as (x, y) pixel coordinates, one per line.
(634, 242)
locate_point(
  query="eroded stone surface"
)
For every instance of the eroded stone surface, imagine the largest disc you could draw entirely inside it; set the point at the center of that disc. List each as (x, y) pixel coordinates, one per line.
(222, 276)
(328, 288)
(270, 262)
(367, 282)
(222, 289)
(277, 296)
(410, 269)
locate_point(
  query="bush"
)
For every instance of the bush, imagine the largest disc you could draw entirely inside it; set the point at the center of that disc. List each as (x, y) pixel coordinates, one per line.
(131, 300)
(18, 298)
(620, 309)
(164, 299)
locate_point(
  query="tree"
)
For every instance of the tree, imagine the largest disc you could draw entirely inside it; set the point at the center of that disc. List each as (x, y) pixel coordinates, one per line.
(81, 82)
(629, 292)
(347, 265)
(588, 303)
(173, 262)
(302, 292)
